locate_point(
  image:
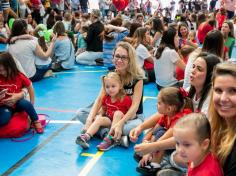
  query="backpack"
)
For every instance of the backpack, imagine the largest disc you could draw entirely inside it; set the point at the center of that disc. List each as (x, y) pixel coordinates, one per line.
(17, 126)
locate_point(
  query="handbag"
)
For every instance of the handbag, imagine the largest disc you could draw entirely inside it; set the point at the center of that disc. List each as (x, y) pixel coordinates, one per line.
(27, 135)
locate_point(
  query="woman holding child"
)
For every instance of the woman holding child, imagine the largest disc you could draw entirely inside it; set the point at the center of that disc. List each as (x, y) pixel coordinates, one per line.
(132, 77)
(25, 49)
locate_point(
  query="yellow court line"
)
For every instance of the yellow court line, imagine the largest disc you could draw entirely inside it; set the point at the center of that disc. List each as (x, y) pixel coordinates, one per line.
(90, 164)
(88, 154)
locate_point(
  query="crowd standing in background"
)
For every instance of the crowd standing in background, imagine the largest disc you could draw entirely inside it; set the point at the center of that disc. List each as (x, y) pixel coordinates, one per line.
(186, 49)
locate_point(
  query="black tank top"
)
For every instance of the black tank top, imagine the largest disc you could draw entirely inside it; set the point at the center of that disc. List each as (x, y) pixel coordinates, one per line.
(129, 89)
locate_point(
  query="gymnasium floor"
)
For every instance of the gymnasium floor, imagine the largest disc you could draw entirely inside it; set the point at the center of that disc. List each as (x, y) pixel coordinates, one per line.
(55, 153)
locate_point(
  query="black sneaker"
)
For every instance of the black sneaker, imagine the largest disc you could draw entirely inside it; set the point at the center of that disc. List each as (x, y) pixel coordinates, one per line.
(137, 157)
(82, 141)
(149, 169)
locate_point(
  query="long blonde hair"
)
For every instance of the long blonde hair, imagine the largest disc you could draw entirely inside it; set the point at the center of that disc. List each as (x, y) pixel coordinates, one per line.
(133, 72)
(223, 135)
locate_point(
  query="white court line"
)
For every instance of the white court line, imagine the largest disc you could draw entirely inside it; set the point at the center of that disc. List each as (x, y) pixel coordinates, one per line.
(90, 164)
(65, 121)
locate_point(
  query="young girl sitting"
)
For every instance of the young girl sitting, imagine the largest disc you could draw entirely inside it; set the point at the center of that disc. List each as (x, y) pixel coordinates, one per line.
(81, 43)
(115, 104)
(193, 139)
(173, 103)
(12, 81)
(42, 64)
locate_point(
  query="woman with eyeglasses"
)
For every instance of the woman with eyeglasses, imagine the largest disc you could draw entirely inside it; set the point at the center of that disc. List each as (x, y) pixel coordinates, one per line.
(132, 77)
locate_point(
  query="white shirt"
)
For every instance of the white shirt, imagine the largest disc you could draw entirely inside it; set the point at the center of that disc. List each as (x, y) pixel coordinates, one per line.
(142, 54)
(24, 52)
(164, 67)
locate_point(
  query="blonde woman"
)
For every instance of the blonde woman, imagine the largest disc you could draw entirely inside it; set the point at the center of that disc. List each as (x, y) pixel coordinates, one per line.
(223, 116)
(132, 78)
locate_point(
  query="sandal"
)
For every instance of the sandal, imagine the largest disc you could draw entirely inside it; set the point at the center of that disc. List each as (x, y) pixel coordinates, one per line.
(149, 169)
(38, 127)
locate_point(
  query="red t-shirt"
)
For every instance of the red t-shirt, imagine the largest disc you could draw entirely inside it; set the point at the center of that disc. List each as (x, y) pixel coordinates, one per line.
(166, 123)
(179, 72)
(110, 107)
(220, 19)
(14, 86)
(203, 29)
(209, 167)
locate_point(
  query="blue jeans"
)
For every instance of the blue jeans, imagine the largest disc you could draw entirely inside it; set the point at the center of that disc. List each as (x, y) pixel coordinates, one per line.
(40, 72)
(6, 112)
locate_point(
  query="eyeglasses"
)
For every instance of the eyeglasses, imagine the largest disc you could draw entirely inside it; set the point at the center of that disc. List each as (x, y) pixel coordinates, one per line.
(122, 58)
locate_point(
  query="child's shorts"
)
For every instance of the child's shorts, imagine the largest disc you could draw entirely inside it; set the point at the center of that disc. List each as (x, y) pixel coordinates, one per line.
(159, 132)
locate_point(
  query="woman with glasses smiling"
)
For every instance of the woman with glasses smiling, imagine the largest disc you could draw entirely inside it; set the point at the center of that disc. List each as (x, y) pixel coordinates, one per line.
(132, 76)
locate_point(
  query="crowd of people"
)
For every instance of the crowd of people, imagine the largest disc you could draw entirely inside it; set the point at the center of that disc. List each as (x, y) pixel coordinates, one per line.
(188, 57)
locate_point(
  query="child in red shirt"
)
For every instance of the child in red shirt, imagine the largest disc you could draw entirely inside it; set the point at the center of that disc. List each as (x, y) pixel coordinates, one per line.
(173, 103)
(193, 138)
(115, 104)
(184, 53)
(12, 81)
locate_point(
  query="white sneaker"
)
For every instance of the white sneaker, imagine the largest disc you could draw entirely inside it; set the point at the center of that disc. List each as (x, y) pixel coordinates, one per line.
(124, 141)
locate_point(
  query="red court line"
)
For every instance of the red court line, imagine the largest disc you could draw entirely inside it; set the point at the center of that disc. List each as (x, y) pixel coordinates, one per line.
(56, 110)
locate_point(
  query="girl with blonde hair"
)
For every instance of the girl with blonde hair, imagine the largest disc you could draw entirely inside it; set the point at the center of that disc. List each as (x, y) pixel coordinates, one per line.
(132, 78)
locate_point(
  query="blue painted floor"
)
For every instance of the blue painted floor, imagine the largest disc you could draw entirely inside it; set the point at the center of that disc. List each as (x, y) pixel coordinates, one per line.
(55, 153)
